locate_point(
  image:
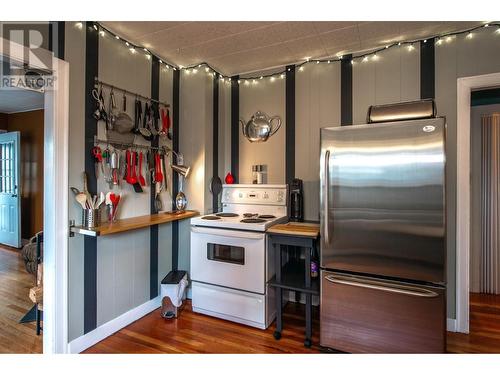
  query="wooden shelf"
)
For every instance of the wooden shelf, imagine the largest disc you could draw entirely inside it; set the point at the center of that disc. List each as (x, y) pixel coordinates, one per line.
(133, 223)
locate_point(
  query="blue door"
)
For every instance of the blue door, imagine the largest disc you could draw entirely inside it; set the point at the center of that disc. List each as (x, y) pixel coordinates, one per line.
(10, 192)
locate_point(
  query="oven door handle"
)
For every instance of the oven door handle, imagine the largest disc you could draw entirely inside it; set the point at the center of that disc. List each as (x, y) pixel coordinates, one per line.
(228, 233)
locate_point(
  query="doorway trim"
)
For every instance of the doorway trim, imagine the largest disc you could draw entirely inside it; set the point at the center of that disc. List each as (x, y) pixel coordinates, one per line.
(55, 198)
(464, 87)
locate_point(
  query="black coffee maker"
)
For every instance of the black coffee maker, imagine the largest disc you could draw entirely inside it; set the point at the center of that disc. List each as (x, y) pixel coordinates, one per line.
(296, 200)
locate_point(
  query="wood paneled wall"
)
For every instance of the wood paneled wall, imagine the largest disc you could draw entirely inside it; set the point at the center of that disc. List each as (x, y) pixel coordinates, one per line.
(30, 124)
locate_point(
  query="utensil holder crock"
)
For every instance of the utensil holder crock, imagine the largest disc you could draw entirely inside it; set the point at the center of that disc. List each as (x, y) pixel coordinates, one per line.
(91, 218)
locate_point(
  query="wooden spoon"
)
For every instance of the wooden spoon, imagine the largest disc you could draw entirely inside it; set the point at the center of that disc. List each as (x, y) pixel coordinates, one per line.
(82, 199)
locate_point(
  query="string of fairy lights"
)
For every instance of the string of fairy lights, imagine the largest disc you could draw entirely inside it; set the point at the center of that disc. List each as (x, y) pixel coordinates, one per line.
(372, 55)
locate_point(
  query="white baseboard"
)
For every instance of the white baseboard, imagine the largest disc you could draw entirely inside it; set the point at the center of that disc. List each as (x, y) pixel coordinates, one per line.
(107, 329)
(451, 325)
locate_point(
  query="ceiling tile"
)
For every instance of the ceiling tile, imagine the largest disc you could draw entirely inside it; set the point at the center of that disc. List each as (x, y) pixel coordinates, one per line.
(249, 40)
(340, 38)
(134, 30)
(327, 26)
(311, 47)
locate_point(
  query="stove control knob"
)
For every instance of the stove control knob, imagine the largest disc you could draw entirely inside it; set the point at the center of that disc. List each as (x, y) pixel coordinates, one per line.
(265, 196)
(241, 195)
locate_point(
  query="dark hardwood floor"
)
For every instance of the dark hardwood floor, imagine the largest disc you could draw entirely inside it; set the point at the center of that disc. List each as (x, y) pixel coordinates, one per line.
(15, 283)
(197, 333)
(484, 327)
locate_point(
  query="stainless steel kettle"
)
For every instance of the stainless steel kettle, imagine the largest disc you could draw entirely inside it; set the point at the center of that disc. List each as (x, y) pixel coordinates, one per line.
(260, 127)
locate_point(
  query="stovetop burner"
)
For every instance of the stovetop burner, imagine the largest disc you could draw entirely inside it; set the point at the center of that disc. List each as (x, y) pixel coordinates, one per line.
(226, 214)
(211, 217)
(248, 215)
(266, 217)
(253, 221)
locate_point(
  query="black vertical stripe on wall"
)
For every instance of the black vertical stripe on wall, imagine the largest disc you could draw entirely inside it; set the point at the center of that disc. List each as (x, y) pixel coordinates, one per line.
(175, 177)
(290, 124)
(61, 39)
(215, 139)
(427, 69)
(153, 230)
(90, 243)
(346, 90)
(57, 38)
(235, 128)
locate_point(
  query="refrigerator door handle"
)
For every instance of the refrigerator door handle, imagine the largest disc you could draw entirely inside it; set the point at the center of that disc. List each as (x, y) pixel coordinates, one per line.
(382, 286)
(327, 198)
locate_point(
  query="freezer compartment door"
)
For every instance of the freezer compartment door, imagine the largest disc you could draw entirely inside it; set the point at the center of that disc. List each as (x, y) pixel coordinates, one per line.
(368, 315)
(382, 199)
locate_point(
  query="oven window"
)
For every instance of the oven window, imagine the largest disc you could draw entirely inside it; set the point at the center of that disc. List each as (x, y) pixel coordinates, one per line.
(226, 253)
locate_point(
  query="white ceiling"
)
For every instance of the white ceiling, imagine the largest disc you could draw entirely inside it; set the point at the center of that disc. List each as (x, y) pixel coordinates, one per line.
(18, 100)
(237, 47)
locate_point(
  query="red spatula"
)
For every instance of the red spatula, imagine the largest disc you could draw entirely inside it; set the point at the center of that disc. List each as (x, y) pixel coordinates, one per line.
(142, 180)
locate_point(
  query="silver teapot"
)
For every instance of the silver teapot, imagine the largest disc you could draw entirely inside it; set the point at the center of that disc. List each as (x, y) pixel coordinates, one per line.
(260, 127)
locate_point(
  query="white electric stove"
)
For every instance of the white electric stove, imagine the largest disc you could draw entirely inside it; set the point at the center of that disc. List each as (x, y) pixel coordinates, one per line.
(230, 261)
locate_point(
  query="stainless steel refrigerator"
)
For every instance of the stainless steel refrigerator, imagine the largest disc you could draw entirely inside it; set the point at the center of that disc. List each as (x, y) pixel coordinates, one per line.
(383, 238)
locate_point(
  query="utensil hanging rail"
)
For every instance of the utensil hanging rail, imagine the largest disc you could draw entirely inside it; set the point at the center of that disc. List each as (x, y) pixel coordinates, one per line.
(98, 141)
(98, 82)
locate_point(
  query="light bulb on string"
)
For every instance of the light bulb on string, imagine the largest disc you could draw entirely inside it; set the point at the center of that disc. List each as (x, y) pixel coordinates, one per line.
(95, 27)
(425, 40)
(317, 61)
(148, 56)
(272, 79)
(102, 33)
(247, 83)
(301, 69)
(239, 81)
(282, 75)
(261, 77)
(469, 35)
(375, 57)
(439, 41)
(127, 44)
(79, 25)
(329, 60)
(117, 37)
(365, 59)
(411, 47)
(207, 69)
(448, 39)
(132, 49)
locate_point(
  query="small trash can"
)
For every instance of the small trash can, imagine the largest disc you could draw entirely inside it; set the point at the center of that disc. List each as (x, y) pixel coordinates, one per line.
(173, 292)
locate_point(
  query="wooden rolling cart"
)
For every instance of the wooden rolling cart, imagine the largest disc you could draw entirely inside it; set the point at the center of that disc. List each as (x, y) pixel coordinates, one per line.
(295, 274)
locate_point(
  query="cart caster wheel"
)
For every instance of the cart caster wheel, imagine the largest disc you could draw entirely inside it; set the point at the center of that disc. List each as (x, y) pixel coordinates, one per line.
(277, 335)
(307, 343)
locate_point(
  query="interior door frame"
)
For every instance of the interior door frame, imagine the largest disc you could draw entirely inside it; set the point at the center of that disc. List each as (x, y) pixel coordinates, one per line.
(465, 86)
(16, 136)
(55, 199)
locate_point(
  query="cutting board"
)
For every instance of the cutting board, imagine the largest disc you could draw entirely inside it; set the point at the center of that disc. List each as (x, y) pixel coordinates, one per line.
(310, 230)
